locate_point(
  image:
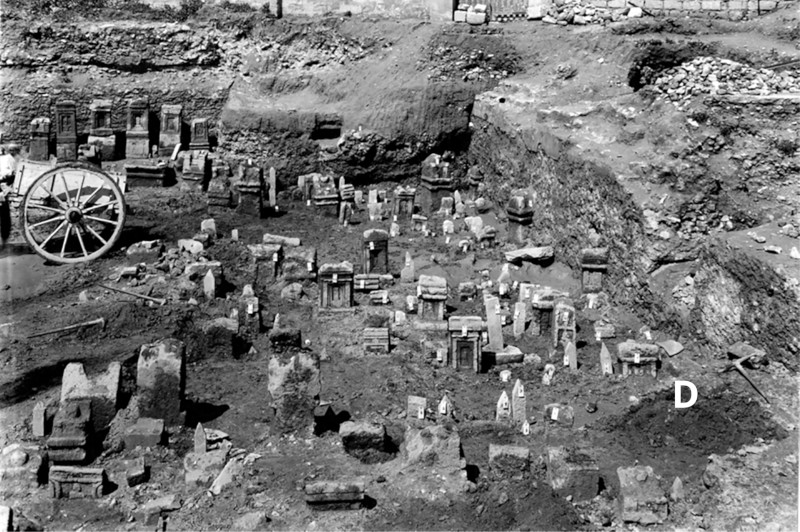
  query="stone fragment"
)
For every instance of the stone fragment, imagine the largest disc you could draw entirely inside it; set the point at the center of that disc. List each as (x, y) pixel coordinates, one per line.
(534, 254)
(200, 441)
(145, 433)
(232, 469)
(559, 414)
(148, 251)
(136, 472)
(677, 493)
(6, 518)
(188, 245)
(327, 492)
(210, 285)
(641, 498)
(102, 391)
(202, 469)
(161, 381)
(547, 376)
(281, 240)
(671, 347)
(251, 522)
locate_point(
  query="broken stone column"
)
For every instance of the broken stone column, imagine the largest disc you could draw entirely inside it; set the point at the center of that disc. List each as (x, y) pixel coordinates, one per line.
(294, 386)
(39, 148)
(161, 380)
(102, 391)
(66, 131)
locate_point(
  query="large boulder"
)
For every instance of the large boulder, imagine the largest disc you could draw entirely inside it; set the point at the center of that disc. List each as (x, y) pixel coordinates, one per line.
(294, 386)
(436, 446)
(366, 441)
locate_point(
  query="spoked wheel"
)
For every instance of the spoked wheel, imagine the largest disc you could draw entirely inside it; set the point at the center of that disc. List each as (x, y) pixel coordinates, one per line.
(73, 213)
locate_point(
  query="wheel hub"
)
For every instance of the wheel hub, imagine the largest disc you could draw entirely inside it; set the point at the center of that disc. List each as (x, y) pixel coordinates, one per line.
(74, 215)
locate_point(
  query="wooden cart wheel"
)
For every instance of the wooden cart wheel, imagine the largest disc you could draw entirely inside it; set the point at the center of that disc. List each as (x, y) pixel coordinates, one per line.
(72, 213)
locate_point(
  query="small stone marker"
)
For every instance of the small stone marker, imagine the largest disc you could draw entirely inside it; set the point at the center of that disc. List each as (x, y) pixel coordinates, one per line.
(209, 227)
(408, 272)
(547, 376)
(372, 197)
(520, 317)
(209, 285)
(518, 402)
(571, 354)
(448, 228)
(39, 420)
(273, 188)
(503, 412)
(445, 406)
(235, 235)
(606, 365)
(416, 407)
(200, 442)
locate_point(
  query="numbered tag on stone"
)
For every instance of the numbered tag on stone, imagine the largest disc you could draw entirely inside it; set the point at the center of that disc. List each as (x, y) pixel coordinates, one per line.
(554, 414)
(420, 412)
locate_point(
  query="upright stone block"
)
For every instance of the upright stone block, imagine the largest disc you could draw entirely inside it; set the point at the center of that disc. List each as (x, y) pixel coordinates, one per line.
(518, 403)
(493, 323)
(272, 188)
(39, 149)
(606, 363)
(39, 423)
(520, 318)
(137, 134)
(161, 380)
(101, 134)
(171, 125)
(66, 131)
(571, 356)
(199, 135)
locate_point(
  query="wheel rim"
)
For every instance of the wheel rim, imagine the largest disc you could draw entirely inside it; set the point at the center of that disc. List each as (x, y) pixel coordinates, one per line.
(73, 214)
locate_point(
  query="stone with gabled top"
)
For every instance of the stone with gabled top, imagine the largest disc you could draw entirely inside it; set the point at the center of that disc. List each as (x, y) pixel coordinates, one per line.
(446, 406)
(503, 410)
(606, 364)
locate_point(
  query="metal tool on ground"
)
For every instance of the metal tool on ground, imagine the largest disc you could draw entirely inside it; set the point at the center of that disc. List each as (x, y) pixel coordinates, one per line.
(158, 300)
(99, 321)
(737, 365)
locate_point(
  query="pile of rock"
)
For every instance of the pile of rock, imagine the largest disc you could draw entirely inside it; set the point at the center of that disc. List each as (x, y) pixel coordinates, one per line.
(711, 75)
(582, 13)
(452, 62)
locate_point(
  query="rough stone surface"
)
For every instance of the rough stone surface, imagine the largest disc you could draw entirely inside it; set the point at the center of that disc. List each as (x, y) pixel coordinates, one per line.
(436, 446)
(641, 498)
(294, 385)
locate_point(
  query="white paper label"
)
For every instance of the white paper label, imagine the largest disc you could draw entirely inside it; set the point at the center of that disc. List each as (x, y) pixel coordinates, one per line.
(443, 409)
(308, 203)
(362, 283)
(521, 392)
(309, 266)
(274, 257)
(463, 330)
(637, 358)
(497, 308)
(420, 413)
(372, 246)
(385, 298)
(526, 429)
(648, 335)
(336, 278)
(447, 240)
(554, 414)
(419, 291)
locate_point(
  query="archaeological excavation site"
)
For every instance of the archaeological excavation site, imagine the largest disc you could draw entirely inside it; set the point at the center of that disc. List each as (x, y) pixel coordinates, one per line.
(399, 265)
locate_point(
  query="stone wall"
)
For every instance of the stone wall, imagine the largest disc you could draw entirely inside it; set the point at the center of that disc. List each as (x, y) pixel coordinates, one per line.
(729, 9)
